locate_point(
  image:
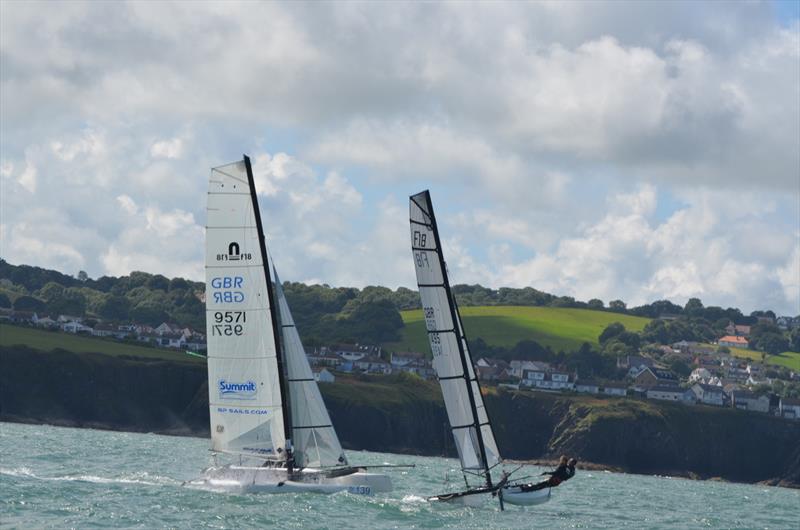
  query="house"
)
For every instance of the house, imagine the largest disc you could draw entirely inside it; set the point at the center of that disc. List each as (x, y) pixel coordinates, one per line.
(634, 364)
(587, 386)
(733, 341)
(737, 330)
(547, 380)
(401, 359)
(74, 326)
(196, 342)
(787, 323)
(650, 377)
(373, 364)
(324, 358)
(699, 375)
(103, 329)
(615, 389)
(324, 376)
(746, 400)
(63, 319)
(708, 394)
(518, 367)
(670, 393)
(790, 408)
(354, 352)
(44, 321)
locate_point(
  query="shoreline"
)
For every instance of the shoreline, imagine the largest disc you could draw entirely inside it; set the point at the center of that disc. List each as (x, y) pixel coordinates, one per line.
(540, 462)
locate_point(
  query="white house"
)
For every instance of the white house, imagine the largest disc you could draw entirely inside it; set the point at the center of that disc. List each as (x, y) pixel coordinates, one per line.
(670, 393)
(587, 387)
(709, 394)
(324, 376)
(615, 389)
(75, 327)
(699, 375)
(746, 400)
(790, 408)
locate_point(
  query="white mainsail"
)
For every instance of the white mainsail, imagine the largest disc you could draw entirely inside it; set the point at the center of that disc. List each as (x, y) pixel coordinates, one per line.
(469, 421)
(315, 442)
(244, 385)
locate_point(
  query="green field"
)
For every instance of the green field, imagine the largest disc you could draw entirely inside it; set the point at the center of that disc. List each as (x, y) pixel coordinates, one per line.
(50, 340)
(560, 328)
(789, 359)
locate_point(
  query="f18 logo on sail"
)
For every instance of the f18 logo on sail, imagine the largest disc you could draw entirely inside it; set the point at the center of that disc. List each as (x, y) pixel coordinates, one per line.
(232, 390)
(234, 254)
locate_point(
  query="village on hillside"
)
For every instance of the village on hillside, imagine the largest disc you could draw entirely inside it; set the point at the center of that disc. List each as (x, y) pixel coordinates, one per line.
(718, 378)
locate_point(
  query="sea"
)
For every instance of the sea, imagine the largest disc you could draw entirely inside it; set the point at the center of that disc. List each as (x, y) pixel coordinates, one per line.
(55, 477)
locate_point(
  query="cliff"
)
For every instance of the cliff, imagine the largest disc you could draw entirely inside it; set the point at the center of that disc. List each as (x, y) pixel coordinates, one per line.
(405, 414)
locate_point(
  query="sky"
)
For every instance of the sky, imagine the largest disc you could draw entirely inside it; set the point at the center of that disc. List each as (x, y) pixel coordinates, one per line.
(612, 150)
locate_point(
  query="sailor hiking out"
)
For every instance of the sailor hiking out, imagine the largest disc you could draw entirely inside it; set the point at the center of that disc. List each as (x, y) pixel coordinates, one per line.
(562, 473)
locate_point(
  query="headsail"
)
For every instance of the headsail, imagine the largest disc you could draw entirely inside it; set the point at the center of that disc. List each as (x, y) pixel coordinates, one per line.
(469, 421)
(244, 375)
(315, 441)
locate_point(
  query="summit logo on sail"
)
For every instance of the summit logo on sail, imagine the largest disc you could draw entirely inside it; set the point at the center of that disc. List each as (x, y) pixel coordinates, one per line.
(233, 390)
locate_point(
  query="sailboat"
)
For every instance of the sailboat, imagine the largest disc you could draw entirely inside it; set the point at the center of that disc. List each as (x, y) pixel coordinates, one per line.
(267, 415)
(468, 417)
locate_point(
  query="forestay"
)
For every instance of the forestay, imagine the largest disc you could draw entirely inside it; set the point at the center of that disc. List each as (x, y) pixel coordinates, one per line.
(315, 442)
(244, 388)
(469, 421)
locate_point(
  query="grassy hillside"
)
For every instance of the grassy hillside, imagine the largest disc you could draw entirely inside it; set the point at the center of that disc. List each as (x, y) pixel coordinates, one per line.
(560, 328)
(788, 359)
(50, 340)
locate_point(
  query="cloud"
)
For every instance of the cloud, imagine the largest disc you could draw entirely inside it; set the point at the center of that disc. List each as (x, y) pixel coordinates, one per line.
(604, 149)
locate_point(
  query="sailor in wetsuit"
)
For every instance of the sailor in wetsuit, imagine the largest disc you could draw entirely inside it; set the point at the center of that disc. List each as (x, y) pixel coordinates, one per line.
(564, 472)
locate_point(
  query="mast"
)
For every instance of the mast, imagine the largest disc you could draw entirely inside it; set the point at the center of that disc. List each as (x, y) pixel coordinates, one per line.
(285, 405)
(456, 318)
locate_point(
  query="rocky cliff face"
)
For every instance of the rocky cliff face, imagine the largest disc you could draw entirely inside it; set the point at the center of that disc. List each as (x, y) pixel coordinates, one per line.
(405, 414)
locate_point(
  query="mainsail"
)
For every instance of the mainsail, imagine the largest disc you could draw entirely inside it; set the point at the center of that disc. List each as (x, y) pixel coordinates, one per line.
(248, 414)
(469, 420)
(315, 442)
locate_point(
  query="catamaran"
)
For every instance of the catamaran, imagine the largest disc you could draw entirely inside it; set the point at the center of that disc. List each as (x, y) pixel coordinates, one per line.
(468, 417)
(268, 418)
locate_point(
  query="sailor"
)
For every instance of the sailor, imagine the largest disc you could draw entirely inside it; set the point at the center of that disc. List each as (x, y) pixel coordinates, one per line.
(564, 472)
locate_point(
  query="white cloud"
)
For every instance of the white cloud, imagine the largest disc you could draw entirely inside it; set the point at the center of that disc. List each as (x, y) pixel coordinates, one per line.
(172, 148)
(618, 150)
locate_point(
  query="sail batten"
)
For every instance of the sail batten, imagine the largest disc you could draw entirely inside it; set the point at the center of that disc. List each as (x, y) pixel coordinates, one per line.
(466, 412)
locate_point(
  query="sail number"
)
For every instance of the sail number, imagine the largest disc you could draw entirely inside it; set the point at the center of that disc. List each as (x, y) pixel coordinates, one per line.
(229, 323)
(421, 258)
(436, 344)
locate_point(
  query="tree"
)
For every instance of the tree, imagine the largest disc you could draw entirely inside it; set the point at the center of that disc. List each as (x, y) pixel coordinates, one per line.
(158, 283)
(693, 308)
(28, 303)
(612, 330)
(617, 305)
(595, 303)
(4, 301)
(115, 308)
(82, 276)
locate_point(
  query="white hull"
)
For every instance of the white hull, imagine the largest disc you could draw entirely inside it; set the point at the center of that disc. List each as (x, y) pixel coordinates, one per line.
(244, 479)
(514, 494)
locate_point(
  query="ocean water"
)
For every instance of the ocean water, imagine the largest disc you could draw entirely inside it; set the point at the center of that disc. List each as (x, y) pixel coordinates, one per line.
(53, 477)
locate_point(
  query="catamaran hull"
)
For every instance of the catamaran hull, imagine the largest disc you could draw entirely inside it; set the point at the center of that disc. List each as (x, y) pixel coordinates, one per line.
(518, 496)
(242, 479)
(515, 494)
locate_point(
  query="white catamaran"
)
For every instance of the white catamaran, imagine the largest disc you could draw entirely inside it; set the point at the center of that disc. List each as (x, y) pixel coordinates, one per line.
(469, 419)
(267, 413)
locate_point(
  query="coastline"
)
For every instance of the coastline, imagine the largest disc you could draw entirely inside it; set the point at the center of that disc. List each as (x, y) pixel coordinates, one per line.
(540, 462)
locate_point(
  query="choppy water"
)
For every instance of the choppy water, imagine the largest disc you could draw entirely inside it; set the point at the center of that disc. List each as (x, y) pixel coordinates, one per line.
(57, 477)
